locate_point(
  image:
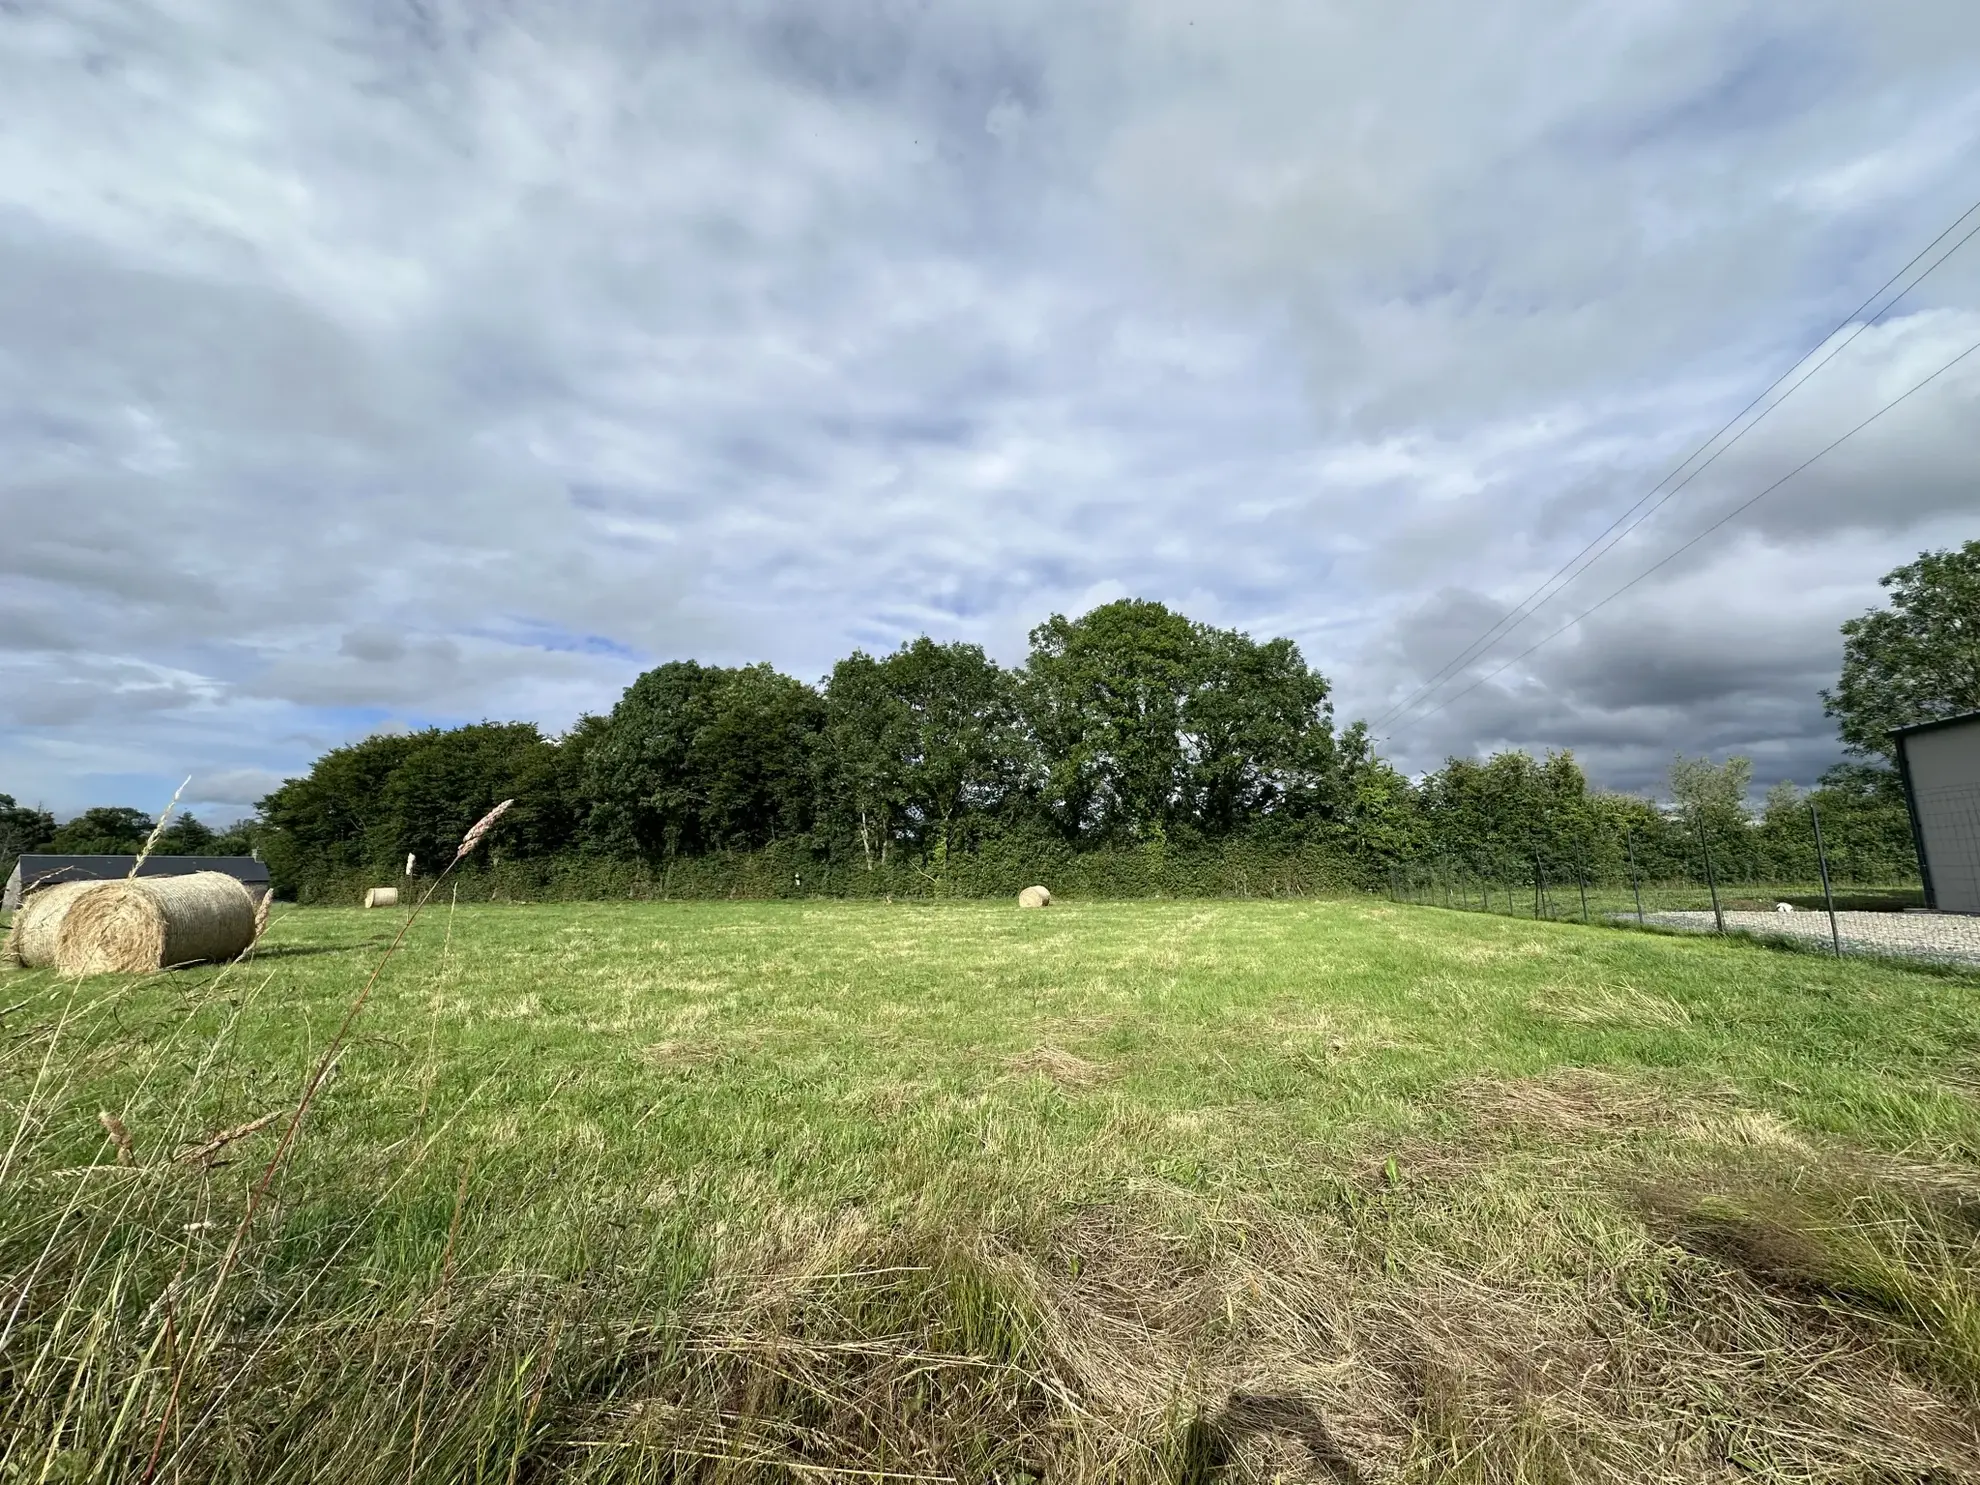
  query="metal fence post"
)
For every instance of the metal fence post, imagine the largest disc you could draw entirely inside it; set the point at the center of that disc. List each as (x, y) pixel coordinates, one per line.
(1718, 917)
(1582, 875)
(1635, 885)
(1822, 860)
(1539, 888)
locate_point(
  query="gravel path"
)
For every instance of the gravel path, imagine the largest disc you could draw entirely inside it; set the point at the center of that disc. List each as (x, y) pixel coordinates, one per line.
(1950, 937)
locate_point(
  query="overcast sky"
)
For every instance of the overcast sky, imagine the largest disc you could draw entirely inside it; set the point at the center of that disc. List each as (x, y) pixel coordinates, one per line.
(381, 363)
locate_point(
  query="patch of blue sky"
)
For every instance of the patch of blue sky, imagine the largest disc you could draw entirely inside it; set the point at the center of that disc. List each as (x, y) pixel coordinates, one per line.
(541, 634)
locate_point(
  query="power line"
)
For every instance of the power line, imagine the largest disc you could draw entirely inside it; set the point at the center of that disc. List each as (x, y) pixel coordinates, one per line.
(1744, 505)
(1528, 606)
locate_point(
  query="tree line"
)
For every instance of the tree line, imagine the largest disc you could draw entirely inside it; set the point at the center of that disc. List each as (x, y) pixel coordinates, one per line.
(1132, 726)
(1204, 758)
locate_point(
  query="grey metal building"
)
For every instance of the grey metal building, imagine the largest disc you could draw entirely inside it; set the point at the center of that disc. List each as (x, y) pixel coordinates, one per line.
(1940, 763)
(33, 871)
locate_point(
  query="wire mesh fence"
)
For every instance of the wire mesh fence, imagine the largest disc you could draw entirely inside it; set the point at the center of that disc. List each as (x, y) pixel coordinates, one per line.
(1820, 896)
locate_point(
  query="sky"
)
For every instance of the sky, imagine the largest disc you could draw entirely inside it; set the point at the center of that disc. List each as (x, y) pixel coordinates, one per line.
(388, 363)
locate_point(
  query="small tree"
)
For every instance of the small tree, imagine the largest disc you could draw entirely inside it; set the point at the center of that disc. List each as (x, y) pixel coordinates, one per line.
(21, 830)
(1712, 799)
(1915, 661)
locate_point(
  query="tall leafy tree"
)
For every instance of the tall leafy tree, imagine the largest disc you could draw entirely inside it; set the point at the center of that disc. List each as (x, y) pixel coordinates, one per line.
(1257, 731)
(1369, 808)
(446, 779)
(337, 817)
(1105, 695)
(962, 745)
(753, 764)
(863, 761)
(697, 758)
(1149, 723)
(1916, 660)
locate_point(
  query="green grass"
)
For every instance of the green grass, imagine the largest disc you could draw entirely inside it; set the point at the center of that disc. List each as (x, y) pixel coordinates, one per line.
(1124, 1190)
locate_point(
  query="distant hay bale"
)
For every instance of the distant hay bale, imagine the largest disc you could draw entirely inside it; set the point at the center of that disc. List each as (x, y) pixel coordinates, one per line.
(1034, 897)
(31, 941)
(149, 923)
(381, 897)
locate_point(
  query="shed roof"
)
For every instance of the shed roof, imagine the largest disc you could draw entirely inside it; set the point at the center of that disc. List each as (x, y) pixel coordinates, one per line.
(1959, 721)
(36, 869)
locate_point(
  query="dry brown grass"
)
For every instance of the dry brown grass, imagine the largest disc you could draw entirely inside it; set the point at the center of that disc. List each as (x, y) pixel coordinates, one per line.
(1066, 1069)
(1128, 1345)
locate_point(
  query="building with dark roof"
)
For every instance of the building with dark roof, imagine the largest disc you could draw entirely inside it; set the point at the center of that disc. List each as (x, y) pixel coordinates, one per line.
(1940, 765)
(33, 871)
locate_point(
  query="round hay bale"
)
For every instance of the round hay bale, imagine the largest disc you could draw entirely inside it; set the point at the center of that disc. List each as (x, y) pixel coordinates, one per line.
(381, 897)
(32, 938)
(1034, 897)
(149, 923)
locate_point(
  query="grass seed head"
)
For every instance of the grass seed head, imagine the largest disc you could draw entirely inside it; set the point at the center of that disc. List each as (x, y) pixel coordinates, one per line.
(481, 827)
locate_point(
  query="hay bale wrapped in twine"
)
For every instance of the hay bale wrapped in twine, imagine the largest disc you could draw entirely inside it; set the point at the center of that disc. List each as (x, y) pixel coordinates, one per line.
(36, 927)
(1034, 897)
(377, 897)
(149, 923)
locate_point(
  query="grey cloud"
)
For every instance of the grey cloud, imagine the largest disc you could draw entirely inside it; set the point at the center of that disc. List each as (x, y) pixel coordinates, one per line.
(373, 643)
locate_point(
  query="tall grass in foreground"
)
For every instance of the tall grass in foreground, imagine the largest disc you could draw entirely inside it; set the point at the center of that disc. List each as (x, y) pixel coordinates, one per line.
(1581, 1278)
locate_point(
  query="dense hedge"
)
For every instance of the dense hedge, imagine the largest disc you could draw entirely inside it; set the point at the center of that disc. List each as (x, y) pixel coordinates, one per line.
(1231, 868)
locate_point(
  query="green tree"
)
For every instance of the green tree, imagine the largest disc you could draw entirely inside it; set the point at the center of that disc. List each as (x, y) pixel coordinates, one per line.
(1105, 695)
(22, 829)
(446, 779)
(1915, 661)
(114, 830)
(697, 758)
(1149, 724)
(863, 761)
(1257, 732)
(336, 819)
(1497, 818)
(186, 835)
(1370, 810)
(1711, 801)
(962, 741)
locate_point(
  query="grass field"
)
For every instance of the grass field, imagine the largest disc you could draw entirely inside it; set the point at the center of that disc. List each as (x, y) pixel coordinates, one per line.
(1180, 1190)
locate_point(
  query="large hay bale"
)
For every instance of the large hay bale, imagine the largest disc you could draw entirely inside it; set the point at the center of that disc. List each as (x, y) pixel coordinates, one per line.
(38, 925)
(149, 923)
(1034, 897)
(381, 897)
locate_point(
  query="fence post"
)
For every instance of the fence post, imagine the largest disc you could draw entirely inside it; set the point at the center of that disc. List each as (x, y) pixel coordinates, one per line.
(1718, 917)
(1581, 872)
(1539, 887)
(1822, 860)
(1635, 887)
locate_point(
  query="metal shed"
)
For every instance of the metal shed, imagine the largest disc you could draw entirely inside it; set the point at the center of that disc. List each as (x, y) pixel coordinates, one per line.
(33, 871)
(1940, 764)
